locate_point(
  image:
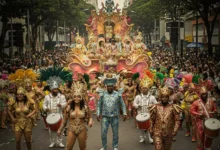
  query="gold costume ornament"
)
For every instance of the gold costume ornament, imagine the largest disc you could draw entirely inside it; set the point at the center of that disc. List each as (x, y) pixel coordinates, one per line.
(203, 90)
(21, 90)
(78, 88)
(78, 37)
(146, 82)
(139, 36)
(192, 86)
(165, 91)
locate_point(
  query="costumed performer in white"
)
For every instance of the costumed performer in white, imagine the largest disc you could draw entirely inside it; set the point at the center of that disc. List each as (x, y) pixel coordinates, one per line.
(55, 102)
(142, 101)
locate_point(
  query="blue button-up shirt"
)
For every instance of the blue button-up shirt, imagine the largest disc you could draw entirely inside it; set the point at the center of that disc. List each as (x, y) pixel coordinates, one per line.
(109, 104)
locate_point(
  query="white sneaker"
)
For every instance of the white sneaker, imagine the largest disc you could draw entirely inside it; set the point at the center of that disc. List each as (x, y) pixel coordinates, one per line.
(52, 145)
(61, 145)
(115, 148)
(141, 139)
(151, 141)
(103, 149)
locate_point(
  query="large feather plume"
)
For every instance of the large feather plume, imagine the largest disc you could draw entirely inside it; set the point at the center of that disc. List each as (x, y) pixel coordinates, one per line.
(61, 72)
(21, 76)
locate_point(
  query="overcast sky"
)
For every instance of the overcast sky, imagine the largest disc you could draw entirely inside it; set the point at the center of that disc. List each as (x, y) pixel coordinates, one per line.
(120, 2)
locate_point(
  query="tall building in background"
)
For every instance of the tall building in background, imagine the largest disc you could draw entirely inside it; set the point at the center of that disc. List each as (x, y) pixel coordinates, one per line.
(94, 3)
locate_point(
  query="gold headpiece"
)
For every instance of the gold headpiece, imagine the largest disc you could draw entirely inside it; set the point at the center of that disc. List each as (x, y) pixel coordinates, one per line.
(146, 82)
(21, 90)
(78, 37)
(91, 36)
(101, 39)
(139, 36)
(23, 77)
(127, 37)
(77, 88)
(203, 90)
(165, 91)
(191, 86)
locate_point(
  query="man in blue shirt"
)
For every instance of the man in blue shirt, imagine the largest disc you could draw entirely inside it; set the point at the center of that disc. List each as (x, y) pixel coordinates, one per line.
(108, 111)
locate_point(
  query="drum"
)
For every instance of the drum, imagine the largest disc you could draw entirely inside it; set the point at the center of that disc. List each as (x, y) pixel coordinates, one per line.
(54, 121)
(143, 120)
(211, 127)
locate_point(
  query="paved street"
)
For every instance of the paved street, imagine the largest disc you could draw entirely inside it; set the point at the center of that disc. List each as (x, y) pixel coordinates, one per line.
(129, 139)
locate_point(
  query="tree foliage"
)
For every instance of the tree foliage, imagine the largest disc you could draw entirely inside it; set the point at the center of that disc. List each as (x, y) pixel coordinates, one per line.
(205, 9)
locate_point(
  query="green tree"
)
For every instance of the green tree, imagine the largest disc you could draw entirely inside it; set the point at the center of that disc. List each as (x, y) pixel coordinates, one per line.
(205, 9)
(143, 14)
(75, 20)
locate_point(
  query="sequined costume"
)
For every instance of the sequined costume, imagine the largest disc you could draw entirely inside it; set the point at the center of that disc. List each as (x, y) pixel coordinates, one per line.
(164, 122)
(109, 108)
(23, 124)
(186, 104)
(77, 122)
(196, 110)
(144, 101)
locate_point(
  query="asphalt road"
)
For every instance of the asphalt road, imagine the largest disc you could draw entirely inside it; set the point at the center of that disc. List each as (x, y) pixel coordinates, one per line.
(129, 139)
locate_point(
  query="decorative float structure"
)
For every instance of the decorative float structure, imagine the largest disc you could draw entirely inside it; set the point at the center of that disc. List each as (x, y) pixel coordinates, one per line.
(110, 47)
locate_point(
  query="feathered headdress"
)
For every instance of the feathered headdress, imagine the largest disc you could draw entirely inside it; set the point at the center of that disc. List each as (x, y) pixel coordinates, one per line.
(146, 82)
(135, 76)
(54, 76)
(23, 77)
(170, 83)
(86, 78)
(78, 88)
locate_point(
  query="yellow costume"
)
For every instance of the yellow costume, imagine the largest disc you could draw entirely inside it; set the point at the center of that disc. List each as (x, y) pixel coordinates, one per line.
(22, 123)
(190, 97)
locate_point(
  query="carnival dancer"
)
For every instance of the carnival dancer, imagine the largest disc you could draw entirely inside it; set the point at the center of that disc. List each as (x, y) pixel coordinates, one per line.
(142, 101)
(108, 111)
(33, 95)
(127, 46)
(130, 92)
(11, 92)
(22, 112)
(189, 98)
(139, 47)
(164, 121)
(55, 101)
(202, 109)
(39, 94)
(3, 102)
(78, 114)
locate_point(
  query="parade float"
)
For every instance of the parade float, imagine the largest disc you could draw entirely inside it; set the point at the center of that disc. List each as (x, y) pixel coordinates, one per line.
(110, 47)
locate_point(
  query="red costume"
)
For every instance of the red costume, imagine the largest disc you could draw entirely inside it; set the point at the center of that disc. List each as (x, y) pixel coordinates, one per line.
(198, 110)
